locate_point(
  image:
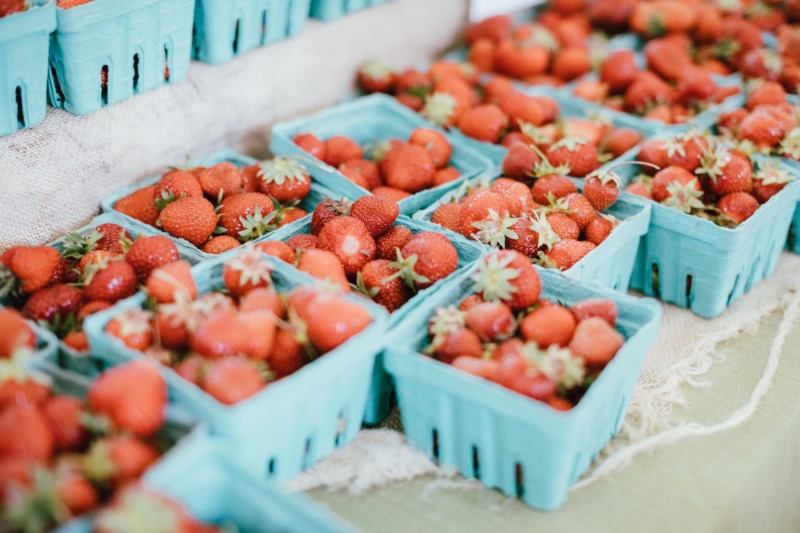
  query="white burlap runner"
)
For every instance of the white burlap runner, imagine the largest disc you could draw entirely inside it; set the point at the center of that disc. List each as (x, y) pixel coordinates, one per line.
(681, 356)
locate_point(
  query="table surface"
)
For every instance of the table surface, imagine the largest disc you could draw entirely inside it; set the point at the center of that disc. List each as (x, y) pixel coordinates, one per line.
(743, 479)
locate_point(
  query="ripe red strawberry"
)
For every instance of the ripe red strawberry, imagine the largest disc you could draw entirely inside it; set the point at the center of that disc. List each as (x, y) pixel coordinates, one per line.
(340, 149)
(580, 209)
(192, 219)
(675, 183)
(287, 215)
(110, 281)
(139, 205)
(445, 175)
(277, 249)
(217, 335)
(118, 460)
(596, 342)
(258, 329)
(247, 216)
(769, 181)
(593, 91)
(602, 189)
(174, 185)
(425, 259)
(527, 241)
(547, 326)
(113, 238)
(165, 281)
(220, 244)
(331, 320)
(391, 193)
(350, 240)
(408, 167)
(578, 154)
(220, 181)
(482, 368)
(496, 28)
(96, 257)
(435, 143)
(446, 215)
(459, 343)
(761, 63)
(492, 321)
(552, 184)
(695, 84)
(248, 270)
(263, 299)
(299, 243)
(324, 265)
(599, 307)
(15, 333)
(378, 214)
(148, 253)
(327, 209)
(285, 179)
(521, 62)
(250, 177)
(313, 146)
(484, 123)
(362, 172)
(761, 128)
(477, 207)
(598, 230)
(768, 93)
(9, 7)
(133, 328)
(516, 374)
(509, 277)
(287, 355)
(522, 109)
(560, 224)
(64, 415)
(654, 152)
(53, 304)
(376, 77)
(517, 195)
(621, 140)
(77, 340)
(729, 173)
(738, 206)
(619, 70)
(469, 302)
(571, 62)
(31, 268)
(390, 242)
(379, 280)
(520, 161)
(646, 90)
(25, 434)
(567, 252)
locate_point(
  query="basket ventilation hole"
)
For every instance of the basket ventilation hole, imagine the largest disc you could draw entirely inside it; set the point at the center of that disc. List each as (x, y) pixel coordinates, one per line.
(236, 38)
(341, 427)
(264, 26)
(733, 289)
(56, 84)
(617, 283)
(195, 44)
(655, 281)
(689, 289)
(435, 444)
(476, 465)
(166, 63)
(519, 480)
(792, 235)
(288, 29)
(271, 468)
(136, 73)
(307, 454)
(104, 84)
(20, 111)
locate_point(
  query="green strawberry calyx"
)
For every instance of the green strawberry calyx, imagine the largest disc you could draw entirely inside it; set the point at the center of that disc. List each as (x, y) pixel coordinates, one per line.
(139, 511)
(495, 230)
(257, 225)
(772, 174)
(406, 271)
(76, 245)
(494, 278)
(684, 198)
(377, 70)
(252, 266)
(547, 236)
(280, 169)
(439, 107)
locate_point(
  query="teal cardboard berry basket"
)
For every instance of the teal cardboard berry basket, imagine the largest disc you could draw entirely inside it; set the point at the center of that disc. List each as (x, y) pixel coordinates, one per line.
(292, 423)
(521, 446)
(368, 121)
(330, 10)
(610, 264)
(380, 394)
(224, 29)
(194, 254)
(24, 45)
(693, 263)
(136, 46)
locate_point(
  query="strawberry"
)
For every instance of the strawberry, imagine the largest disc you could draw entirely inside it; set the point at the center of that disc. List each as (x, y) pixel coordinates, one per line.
(299, 243)
(460, 343)
(378, 214)
(527, 240)
(287, 214)
(520, 161)
(9, 7)
(174, 185)
(591, 90)
(376, 77)
(769, 181)
(28, 267)
(662, 17)
(15, 333)
(445, 175)
(425, 259)
(761, 128)
(341, 149)
(350, 240)
(390, 193)
(496, 28)
(517, 196)
(639, 189)
(277, 249)
(331, 320)
(220, 181)
(443, 69)
(250, 179)
(520, 62)
(761, 63)
(571, 62)
(247, 216)
(738, 206)
(284, 179)
(508, 276)
(64, 416)
(598, 230)
(287, 355)
(313, 146)
(728, 172)
(446, 215)
(77, 340)
(148, 253)
(435, 143)
(602, 189)
(25, 434)
(515, 373)
(492, 321)
(324, 265)
(216, 335)
(666, 59)
(258, 328)
(596, 342)
(477, 207)
(379, 281)
(132, 327)
(560, 224)
(132, 395)
(547, 326)
(408, 167)
(591, 131)
(646, 90)
(388, 244)
(678, 185)
(264, 299)
(231, 380)
(598, 307)
(167, 281)
(654, 152)
(522, 109)
(619, 70)
(576, 153)
(413, 82)
(554, 185)
(768, 93)
(118, 460)
(139, 205)
(247, 271)
(220, 244)
(90, 308)
(53, 304)
(131, 506)
(362, 172)
(611, 15)
(113, 238)
(484, 123)
(327, 209)
(110, 281)
(191, 219)
(482, 55)
(567, 252)
(482, 368)
(580, 209)
(469, 302)
(621, 140)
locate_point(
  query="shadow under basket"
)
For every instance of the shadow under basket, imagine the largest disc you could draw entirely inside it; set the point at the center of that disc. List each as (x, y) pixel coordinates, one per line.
(106, 51)
(508, 441)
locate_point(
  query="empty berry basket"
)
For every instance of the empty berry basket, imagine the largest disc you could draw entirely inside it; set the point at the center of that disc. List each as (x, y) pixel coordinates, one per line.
(106, 51)
(290, 424)
(329, 10)
(368, 121)
(224, 29)
(508, 441)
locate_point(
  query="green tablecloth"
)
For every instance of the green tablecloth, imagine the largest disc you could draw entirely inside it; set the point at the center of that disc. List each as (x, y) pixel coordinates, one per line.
(745, 479)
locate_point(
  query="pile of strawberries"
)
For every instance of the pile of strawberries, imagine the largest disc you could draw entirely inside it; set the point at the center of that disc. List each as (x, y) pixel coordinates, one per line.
(767, 124)
(61, 457)
(450, 95)
(218, 208)
(232, 343)
(393, 168)
(9, 7)
(672, 89)
(507, 333)
(91, 273)
(358, 243)
(705, 176)
(549, 221)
